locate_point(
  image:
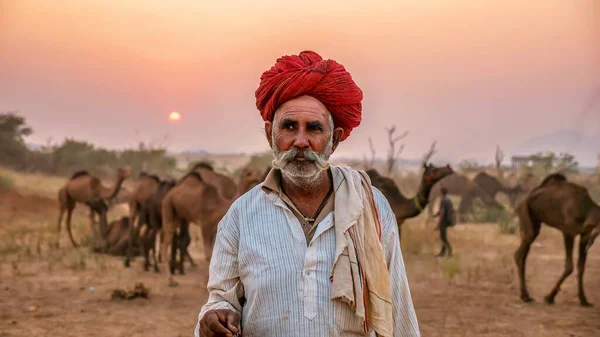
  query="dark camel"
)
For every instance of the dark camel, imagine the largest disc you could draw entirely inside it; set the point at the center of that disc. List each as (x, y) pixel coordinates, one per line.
(87, 189)
(197, 201)
(492, 186)
(145, 185)
(151, 216)
(567, 207)
(403, 207)
(468, 191)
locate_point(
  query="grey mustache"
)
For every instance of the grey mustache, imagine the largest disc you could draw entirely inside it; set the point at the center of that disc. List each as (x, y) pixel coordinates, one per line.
(286, 156)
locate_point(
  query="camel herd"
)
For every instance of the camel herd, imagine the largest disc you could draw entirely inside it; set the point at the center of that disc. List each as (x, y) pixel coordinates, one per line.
(165, 208)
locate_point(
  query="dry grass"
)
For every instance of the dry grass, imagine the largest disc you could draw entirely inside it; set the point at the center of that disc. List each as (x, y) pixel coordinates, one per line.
(473, 293)
(34, 183)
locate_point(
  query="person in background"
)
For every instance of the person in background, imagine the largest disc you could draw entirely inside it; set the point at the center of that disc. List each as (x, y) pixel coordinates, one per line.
(446, 219)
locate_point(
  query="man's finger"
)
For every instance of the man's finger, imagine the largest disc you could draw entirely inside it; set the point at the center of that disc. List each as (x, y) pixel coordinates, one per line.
(216, 327)
(233, 321)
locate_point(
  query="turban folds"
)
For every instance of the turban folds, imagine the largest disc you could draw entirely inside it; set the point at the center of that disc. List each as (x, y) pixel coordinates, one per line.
(308, 74)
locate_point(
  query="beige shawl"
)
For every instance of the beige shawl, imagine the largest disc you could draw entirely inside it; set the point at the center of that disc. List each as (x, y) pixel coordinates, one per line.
(360, 275)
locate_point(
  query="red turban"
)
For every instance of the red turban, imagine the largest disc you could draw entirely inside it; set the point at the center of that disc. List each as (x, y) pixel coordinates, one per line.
(308, 74)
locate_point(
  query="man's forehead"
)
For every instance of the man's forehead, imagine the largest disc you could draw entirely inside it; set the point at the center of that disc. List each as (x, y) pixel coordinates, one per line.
(304, 107)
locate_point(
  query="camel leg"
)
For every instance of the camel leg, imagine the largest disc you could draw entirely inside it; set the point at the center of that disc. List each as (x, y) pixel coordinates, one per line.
(153, 240)
(169, 224)
(59, 224)
(465, 207)
(569, 239)
(174, 248)
(187, 239)
(160, 238)
(133, 212)
(529, 231)
(583, 242)
(184, 242)
(145, 239)
(69, 215)
(95, 233)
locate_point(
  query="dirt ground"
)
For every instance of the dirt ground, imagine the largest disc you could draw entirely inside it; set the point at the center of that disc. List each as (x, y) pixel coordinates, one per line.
(67, 292)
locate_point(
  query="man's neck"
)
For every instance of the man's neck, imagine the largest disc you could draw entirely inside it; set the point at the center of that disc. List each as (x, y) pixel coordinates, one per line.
(318, 188)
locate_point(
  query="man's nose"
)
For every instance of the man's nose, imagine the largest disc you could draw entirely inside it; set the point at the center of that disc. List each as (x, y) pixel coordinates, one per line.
(301, 140)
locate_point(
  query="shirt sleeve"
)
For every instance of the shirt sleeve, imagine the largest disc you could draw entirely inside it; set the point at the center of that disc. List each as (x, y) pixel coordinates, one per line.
(224, 285)
(403, 311)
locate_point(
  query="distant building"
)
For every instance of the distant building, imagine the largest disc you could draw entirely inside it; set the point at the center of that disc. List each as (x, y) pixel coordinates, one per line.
(531, 161)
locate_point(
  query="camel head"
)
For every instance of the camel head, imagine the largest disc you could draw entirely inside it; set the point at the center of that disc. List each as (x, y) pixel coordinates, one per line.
(123, 172)
(432, 174)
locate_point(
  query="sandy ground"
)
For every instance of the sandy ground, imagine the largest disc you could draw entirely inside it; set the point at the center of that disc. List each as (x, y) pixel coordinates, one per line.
(67, 292)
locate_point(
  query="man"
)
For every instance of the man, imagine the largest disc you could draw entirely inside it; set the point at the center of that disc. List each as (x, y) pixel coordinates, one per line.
(446, 215)
(306, 253)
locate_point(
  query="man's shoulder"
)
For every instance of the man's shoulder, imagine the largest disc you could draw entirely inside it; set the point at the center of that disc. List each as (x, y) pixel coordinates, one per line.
(250, 198)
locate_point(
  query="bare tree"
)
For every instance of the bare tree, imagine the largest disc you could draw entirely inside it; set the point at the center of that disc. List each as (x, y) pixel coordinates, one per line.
(427, 156)
(499, 158)
(393, 153)
(369, 163)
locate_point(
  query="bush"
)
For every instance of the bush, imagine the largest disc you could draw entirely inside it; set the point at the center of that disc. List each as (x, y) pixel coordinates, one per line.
(6, 183)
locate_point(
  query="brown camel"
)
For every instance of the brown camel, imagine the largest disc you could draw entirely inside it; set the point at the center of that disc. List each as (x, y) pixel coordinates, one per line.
(197, 201)
(144, 186)
(468, 191)
(567, 207)
(403, 207)
(116, 238)
(492, 186)
(87, 189)
(225, 185)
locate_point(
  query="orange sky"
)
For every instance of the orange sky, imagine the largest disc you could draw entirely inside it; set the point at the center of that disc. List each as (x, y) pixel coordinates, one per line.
(466, 73)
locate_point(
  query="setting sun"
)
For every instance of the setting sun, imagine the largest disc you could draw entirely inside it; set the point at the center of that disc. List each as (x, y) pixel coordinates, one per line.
(174, 117)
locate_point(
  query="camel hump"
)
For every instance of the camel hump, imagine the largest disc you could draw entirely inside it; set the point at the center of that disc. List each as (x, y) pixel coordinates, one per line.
(145, 174)
(194, 175)
(554, 177)
(372, 173)
(80, 173)
(203, 165)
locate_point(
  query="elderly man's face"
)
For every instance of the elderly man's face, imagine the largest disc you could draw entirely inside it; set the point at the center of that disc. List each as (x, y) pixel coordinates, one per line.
(302, 138)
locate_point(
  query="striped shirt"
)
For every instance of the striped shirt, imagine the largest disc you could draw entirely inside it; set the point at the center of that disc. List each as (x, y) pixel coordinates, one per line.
(261, 254)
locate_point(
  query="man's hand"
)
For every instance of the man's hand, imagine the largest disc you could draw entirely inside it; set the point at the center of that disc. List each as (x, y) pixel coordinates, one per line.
(220, 323)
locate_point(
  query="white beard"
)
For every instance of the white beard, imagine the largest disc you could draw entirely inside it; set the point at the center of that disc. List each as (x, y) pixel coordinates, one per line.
(304, 174)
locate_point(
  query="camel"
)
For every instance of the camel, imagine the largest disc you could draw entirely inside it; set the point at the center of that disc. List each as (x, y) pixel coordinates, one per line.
(460, 185)
(87, 189)
(145, 185)
(116, 238)
(195, 200)
(225, 185)
(567, 207)
(151, 215)
(492, 186)
(403, 207)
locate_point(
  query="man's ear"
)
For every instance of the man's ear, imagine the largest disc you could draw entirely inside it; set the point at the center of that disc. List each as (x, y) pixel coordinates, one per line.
(269, 132)
(337, 138)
